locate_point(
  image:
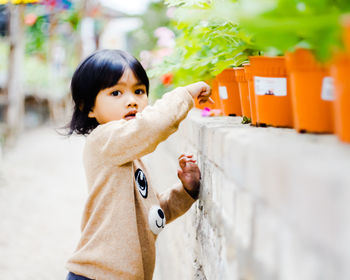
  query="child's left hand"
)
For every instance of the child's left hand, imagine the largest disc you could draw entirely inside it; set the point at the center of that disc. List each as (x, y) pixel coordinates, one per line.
(189, 174)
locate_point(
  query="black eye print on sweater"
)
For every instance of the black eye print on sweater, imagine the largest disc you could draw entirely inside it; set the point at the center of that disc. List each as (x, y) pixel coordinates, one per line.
(141, 182)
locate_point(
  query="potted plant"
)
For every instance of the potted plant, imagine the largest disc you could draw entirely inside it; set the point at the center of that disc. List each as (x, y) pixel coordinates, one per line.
(250, 82)
(340, 72)
(214, 96)
(287, 26)
(207, 48)
(243, 91)
(271, 90)
(312, 92)
(229, 93)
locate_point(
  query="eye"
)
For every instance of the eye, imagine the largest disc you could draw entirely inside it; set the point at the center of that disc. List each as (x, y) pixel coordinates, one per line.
(116, 93)
(139, 91)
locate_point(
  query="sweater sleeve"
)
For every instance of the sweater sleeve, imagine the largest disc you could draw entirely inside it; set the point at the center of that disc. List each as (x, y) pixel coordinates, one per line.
(123, 141)
(175, 202)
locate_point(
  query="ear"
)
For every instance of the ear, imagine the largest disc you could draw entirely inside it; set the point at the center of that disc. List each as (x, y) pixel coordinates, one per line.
(91, 114)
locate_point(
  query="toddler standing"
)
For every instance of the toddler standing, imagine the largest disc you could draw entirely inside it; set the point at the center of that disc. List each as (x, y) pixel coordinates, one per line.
(123, 214)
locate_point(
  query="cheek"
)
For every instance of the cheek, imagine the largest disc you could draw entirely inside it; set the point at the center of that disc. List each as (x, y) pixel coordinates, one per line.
(144, 102)
(113, 113)
(108, 110)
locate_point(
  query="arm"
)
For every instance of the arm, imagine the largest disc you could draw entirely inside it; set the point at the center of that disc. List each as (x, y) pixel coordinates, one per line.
(178, 200)
(175, 202)
(123, 141)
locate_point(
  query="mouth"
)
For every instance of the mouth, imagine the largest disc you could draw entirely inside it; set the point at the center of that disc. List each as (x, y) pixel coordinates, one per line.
(130, 115)
(159, 226)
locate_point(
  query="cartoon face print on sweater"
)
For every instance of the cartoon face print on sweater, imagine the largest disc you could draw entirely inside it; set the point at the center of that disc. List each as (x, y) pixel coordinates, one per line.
(156, 219)
(156, 216)
(141, 182)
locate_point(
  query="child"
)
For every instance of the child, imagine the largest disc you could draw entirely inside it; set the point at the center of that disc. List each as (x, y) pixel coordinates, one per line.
(123, 213)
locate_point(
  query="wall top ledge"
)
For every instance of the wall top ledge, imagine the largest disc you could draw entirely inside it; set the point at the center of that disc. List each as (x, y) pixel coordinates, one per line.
(276, 139)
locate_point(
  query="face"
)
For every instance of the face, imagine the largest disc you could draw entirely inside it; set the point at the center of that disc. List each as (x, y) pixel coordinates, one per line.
(122, 101)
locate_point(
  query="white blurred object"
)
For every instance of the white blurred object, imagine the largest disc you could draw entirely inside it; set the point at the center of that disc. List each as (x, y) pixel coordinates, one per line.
(114, 35)
(146, 58)
(88, 36)
(128, 7)
(256, 7)
(166, 37)
(171, 12)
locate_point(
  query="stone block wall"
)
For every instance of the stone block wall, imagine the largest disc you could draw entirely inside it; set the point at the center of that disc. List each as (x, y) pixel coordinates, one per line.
(274, 204)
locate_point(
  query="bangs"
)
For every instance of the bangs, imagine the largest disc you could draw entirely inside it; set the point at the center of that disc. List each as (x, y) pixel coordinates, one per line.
(110, 66)
(109, 74)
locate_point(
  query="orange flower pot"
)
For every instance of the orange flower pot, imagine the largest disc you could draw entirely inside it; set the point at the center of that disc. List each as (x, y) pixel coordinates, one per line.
(311, 91)
(272, 97)
(243, 91)
(250, 81)
(214, 95)
(340, 72)
(229, 93)
(201, 105)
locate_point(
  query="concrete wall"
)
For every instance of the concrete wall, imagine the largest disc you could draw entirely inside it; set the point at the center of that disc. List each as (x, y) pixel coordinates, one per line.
(274, 204)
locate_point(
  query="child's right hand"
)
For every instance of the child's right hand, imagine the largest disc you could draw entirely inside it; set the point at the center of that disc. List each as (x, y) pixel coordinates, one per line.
(201, 91)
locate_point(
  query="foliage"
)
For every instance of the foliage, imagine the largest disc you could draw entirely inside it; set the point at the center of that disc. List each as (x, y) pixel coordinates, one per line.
(42, 27)
(143, 38)
(216, 34)
(284, 25)
(72, 17)
(246, 120)
(187, 3)
(51, 48)
(206, 44)
(36, 36)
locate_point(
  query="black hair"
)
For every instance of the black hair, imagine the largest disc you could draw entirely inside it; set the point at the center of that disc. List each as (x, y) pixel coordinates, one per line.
(100, 70)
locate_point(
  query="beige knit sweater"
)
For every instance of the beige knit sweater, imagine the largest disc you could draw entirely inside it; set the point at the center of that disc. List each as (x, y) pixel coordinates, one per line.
(123, 213)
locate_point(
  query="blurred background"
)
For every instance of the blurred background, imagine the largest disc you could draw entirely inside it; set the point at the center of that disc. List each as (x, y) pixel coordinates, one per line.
(42, 182)
(276, 207)
(42, 42)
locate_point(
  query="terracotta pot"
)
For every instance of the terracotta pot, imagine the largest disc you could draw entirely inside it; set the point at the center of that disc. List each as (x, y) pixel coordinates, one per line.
(340, 72)
(273, 101)
(311, 91)
(250, 81)
(229, 93)
(200, 106)
(214, 95)
(243, 91)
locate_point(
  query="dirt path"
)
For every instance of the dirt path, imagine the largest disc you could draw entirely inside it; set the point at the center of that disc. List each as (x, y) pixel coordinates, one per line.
(42, 191)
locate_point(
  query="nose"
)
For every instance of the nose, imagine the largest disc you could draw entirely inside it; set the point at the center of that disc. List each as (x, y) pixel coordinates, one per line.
(131, 100)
